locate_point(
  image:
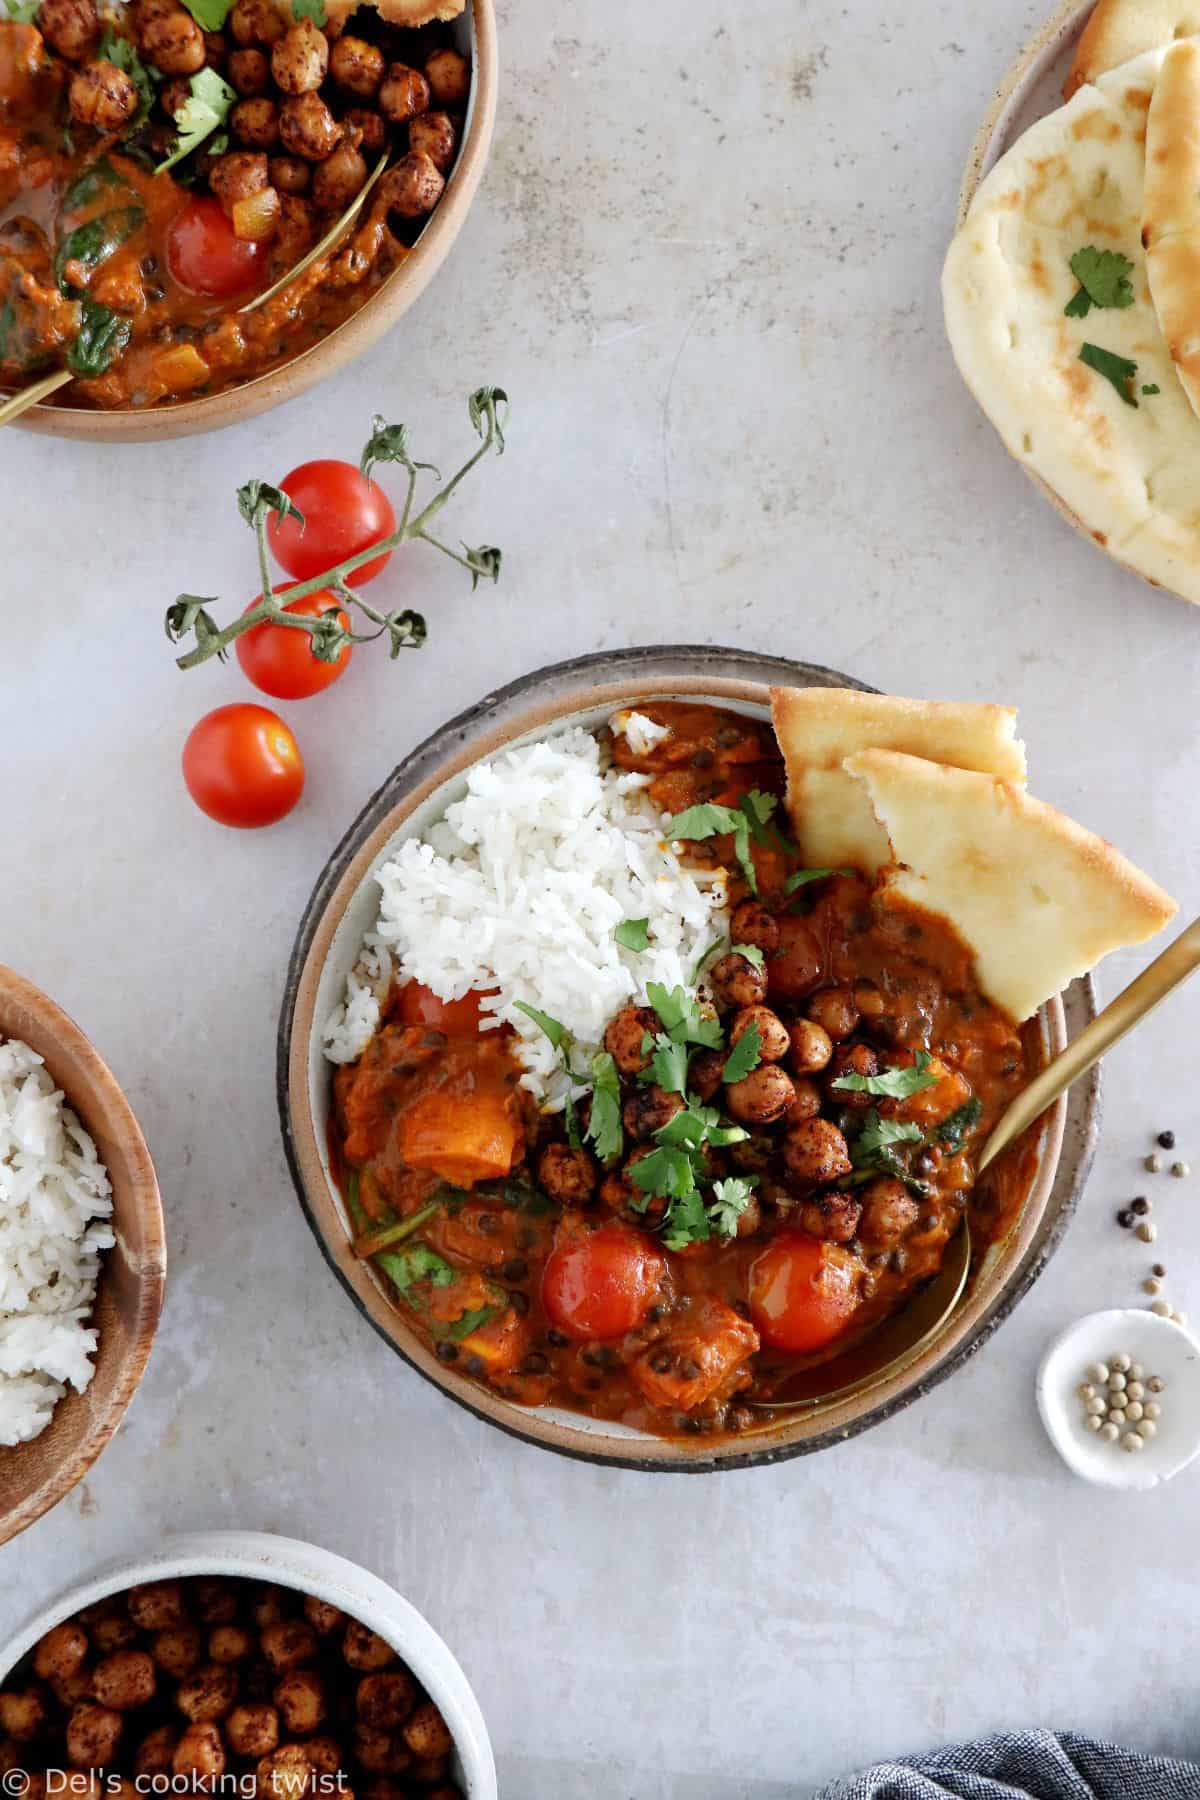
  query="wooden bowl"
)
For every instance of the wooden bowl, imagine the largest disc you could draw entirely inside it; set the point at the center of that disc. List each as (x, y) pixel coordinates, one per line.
(343, 907)
(35, 1476)
(477, 38)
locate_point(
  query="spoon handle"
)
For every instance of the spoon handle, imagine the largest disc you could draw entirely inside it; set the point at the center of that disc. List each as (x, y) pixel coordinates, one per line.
(1166, 972)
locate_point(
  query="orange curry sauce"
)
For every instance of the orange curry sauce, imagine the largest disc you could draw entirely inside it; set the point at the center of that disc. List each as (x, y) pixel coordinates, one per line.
(433, 1121)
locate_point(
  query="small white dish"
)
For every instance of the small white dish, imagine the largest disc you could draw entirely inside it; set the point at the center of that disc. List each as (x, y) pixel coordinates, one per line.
(1163, 1348)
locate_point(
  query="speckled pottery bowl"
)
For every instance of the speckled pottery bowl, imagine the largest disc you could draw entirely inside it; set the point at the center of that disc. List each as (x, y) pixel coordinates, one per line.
(343, 908)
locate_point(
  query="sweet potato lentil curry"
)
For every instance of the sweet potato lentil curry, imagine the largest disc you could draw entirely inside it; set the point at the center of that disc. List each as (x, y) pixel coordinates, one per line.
(773, 1168)
(155, 177)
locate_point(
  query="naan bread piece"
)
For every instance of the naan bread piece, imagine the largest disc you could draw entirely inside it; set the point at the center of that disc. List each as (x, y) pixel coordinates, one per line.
(1119, 30)
(1171, 210)
(1124, 463)
(1037, 897)
(818, 728)
(407, 13)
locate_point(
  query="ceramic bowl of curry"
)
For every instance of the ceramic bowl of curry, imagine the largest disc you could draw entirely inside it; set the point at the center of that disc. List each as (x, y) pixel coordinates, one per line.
(197, 362)
(1016, 1223)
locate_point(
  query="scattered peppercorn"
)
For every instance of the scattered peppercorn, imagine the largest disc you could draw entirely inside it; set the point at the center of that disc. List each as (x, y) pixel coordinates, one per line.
(1154, 1163)
(1180, 1170)
(1126, 1219)
(1166, 1140)
(1159, 1269)
(1147, 1231)
(1141, 1206)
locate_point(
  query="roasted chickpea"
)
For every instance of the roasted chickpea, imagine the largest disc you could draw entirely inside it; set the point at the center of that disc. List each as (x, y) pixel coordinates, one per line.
(230, 1644)
(384, 1701)
(216, 1602)
(208, 1694)
(834, 1010)
(363, 1650)
(357, 67)
(870, 999)
(706, 1071)
(93, 1734)
(103, 96)
(736, 982)
(178, 1652)
(814, 1152)
(889, 1213)
(174, 43)
(69, 26)
(256, 23)
(125, 1680)
(369, 129)
(61, 1653)
(323, 1617)
(434, 135)
(270, 1606)
(762, 1096)
(200, 1753)
(300, 1697)
(403, 94)
(307, 127)
(22, 1714)
(286, 1774)
(617, 1191)
(648, 1109)
(379, 1752)
(426, 1733)
(297, 230)
(173, 96)
(853, 1060)
(249, 73)
(754, 923)
(255, 123)
(568, 1176)
(807, 1103)
(216, 51)
(831, 1215)
(288, 1643)
(156, 1752)
(238, 175)
(449, 77)
(811, 1046)
(300, 60)
(338, 179)
(625, 1038)
(773, 1039)
(795, 967)
(72, 1690)
(157, 1605)
(290, 174)
(253, 1730)
(325, 1754)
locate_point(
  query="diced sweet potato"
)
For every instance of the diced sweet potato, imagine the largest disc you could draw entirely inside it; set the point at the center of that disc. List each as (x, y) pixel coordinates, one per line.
(462, 1140)
(699, 1359)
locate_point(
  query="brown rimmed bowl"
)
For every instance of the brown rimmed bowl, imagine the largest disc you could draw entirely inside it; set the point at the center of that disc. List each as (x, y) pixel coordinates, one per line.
(343, 908)
(475, 35)
(35, 1476)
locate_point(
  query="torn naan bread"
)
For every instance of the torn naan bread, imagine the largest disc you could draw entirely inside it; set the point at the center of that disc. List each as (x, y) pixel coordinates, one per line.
(1037, 897)
(1171, 210)
(407, 14)
(818, 728)
(1122, 452)
(1119, 30)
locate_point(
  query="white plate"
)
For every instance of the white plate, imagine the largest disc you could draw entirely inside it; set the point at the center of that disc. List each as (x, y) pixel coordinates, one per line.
(1163, 1348)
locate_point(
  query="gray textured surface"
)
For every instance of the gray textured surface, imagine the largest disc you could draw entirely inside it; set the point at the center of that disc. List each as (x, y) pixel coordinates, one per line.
(705, 262)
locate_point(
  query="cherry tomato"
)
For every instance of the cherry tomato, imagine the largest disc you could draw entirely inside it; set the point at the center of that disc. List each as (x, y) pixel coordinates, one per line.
(343, 514)
(242, 766)
(418, 1005)
(280, 662)
(602, 1283)
(803, 1292)
(203, 254)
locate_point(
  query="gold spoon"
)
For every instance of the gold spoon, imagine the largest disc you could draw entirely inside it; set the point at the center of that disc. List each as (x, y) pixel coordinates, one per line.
(27, 397)
(900, 1340)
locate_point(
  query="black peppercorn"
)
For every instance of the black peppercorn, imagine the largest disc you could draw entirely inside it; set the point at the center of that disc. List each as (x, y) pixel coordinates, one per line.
(1141, 1206)
(1126, 1217)
(1166, 1140)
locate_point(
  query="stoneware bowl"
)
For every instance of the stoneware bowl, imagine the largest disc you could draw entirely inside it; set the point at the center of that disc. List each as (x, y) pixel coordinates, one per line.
(343, 907)
(475, 34)
(258, 1556)
(35, 1476)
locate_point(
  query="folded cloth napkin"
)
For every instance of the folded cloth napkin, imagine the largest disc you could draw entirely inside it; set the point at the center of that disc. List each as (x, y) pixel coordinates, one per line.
(1025, 1765)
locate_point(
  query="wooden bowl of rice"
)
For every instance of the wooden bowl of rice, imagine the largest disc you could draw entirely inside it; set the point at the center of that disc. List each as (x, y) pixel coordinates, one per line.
(36, 1474)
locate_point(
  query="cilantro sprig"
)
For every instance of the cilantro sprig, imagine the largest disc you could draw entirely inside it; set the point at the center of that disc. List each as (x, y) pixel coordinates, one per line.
(1103, 277)
(749, 820)
(745, 1055)
(633, 934)
(891, 1084)
(203, 112)
(1119, 371)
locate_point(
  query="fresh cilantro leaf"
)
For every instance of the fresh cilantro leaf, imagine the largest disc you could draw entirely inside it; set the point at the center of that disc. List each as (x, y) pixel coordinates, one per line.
(203, 112)
(708, 820)
(309, 9)
(893, 1084)
(1103, 277)
(681, 1017)
(881, 1134)
(604, 1125)
(417, 1263)
(752, 954)
(760, 810)
(961, 1123)
(802, 877)
(666, 1172)
(633, 934)
(1151, 387)
(668, 1066)
(689, 1128)
(468, 1322)
(553, 1028)
(22, 12)
(1118, 370)
(571, 1121)
(720, 1135)
(730, 1200)
(686, 1222)
(704, 956)
(122, 53)
(745, 1055)
(210, 15)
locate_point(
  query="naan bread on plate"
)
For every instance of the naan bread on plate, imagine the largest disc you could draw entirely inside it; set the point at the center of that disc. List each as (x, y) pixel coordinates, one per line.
(1124, 461)
(1119, 30)
(405, 13)
(1038, 898)
(818, 728)
(1171, 210)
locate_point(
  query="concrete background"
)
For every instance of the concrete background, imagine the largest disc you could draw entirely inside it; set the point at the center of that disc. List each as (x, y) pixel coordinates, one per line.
(704, 262)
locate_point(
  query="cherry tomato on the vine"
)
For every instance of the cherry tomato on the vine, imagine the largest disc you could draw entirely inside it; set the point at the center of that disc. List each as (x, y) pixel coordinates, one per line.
(242, 766)
(344, 513)
(204, 255)
(602, 1283)
(803, 1293)
(280, 662)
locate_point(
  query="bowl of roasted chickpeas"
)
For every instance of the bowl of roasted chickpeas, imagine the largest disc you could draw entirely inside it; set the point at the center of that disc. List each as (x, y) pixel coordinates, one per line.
(237, 1662)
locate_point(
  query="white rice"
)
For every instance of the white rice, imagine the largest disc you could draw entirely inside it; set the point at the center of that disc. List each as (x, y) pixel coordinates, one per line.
(518, 890)
(55, 1203)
